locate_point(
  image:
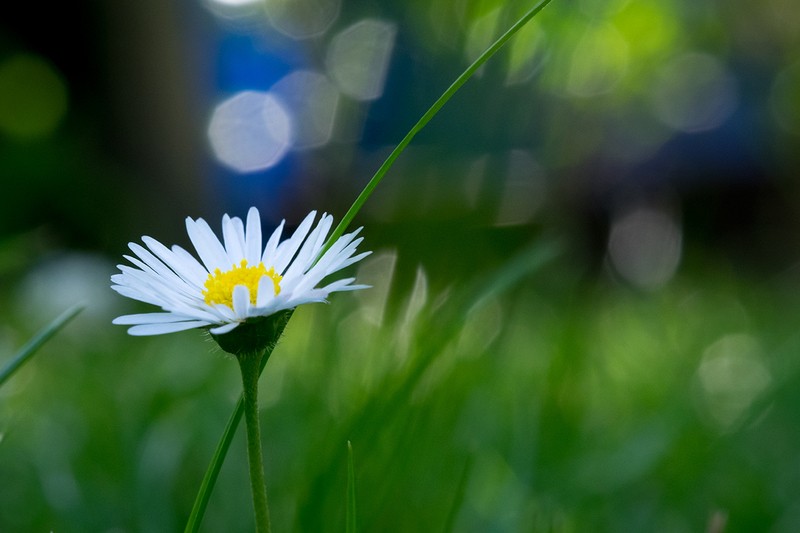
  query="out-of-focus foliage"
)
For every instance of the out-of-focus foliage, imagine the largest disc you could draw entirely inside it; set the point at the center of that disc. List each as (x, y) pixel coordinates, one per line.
(532, 397)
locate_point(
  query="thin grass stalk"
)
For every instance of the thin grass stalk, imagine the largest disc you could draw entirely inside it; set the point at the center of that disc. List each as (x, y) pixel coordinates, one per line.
(32, 346)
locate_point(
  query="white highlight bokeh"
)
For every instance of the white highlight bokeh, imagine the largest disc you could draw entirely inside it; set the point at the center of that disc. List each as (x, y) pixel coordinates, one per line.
(358, 58)
(732, 374)
(64, 280)
(302, 19)
(234, 3)
(645, 246)
(694, 92)
(242, 13)
(250, 131)
(313, 100)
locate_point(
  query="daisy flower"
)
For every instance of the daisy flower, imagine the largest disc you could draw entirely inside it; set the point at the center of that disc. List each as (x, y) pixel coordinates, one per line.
(235, 280)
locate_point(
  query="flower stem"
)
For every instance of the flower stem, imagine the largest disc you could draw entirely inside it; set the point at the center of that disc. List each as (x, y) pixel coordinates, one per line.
(250, 365)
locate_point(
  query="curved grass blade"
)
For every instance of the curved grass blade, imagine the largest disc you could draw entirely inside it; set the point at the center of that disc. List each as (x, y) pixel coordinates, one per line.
(210, 477)
(33, 345)
(222, 448)
(352, 525)
(429, 114)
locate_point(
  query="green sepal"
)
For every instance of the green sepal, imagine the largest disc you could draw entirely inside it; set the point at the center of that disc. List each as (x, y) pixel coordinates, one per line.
(255, 335)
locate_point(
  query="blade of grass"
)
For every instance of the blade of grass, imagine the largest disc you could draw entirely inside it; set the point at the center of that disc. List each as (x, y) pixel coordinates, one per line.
(351, 492)
(435, 336)
(212, 473)
(458, 498)
(33, 345)
(222, 448)
(429, 114)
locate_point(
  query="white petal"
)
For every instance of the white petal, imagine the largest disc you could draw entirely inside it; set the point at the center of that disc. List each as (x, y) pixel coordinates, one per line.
(147, 282)
(241, 301)
(268, 257)
(350, 261)
(188, 268)
(342, 285)
(335, 257)
(252, 247)
(177, 283)
(233, 233)
(150, 283)
(278, 303)
(349, 288)
(224, 329)
(189, 259)
(328, 264)
(208, 247)
(287, 249)
(149, 318)
(315, 296)
(310, 249)
(337, 248)
(225, 312)
(159, 329)
(266, 291)
(136, 295)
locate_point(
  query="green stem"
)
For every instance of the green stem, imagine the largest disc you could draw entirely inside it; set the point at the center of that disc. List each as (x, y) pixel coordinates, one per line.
(250, 365)
(214, 467)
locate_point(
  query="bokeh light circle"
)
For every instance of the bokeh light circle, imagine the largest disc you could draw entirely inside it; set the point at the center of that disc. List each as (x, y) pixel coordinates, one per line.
(302, 19)
(358, 58)
(694, 92)
(313, 100)
(250, 131)
(645, 246)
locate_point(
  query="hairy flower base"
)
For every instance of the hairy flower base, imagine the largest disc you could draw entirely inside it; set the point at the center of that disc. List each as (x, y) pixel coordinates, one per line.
(255, 335)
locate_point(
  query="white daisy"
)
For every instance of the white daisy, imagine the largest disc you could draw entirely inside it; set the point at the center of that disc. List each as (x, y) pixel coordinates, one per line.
(235, 279)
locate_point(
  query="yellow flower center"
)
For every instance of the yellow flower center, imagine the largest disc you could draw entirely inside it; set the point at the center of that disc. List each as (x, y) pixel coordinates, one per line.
(219, 285)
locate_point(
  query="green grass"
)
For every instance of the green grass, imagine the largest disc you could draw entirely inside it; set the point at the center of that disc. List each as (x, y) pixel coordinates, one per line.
(551, 400)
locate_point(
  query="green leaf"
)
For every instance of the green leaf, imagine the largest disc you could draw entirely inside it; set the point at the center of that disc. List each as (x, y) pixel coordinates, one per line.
(27, 351)
(351, 492)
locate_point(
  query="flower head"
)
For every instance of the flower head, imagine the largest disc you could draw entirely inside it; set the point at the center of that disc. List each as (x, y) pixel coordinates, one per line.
(236, 280)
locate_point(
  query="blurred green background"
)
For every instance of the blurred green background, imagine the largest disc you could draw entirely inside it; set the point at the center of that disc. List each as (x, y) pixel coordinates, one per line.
(585, 276)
